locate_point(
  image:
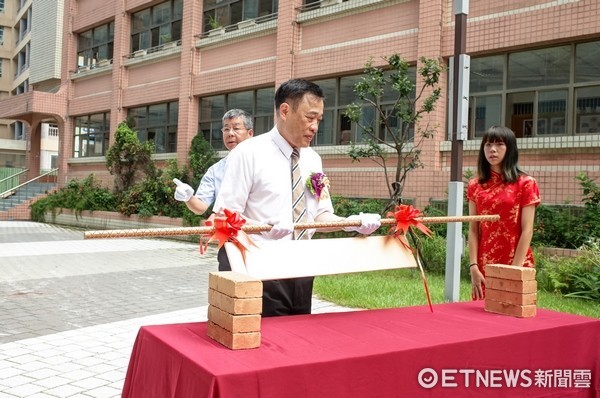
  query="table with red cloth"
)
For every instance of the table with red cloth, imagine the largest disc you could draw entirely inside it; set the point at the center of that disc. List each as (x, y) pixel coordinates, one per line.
(459, 350)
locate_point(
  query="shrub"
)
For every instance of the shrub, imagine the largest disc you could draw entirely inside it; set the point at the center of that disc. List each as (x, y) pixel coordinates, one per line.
(77, 195)
(574, 277)
(128, 157)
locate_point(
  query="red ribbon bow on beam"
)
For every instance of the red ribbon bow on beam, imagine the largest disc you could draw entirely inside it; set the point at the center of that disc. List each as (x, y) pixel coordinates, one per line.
(406, 217)
(228, 228)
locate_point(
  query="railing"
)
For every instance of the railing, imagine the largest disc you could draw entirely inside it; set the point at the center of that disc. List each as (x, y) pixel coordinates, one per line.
(238, 25)
(11, 180)
(150, 50)
(24, 191)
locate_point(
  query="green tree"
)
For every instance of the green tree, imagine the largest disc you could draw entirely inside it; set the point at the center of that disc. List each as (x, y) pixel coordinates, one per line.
(127, 158)
(395, 126)
(201, 156)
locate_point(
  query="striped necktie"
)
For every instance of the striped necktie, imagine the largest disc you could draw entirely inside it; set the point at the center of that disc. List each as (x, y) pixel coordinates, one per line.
(298, 202)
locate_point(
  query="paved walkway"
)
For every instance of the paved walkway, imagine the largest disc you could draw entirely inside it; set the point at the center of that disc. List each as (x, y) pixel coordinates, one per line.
(70, 309)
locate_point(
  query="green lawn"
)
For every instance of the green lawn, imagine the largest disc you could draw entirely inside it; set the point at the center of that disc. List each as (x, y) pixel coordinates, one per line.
(404, 287)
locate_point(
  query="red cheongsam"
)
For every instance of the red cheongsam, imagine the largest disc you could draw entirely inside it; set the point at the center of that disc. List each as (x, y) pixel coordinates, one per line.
(498, 239)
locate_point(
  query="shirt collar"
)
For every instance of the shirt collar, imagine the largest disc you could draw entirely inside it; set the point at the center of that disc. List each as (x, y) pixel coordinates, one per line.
(285, 148)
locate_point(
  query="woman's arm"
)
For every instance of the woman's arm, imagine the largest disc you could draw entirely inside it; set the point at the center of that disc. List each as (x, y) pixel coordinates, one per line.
(527, 218)
(477, 278)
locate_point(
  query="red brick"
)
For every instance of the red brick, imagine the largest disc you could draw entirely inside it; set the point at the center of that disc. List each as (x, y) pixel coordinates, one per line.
(511, 286)
(234, 341)
(510, 272)
(234, 323)
(235, 306)
(511, 297)
(234, 284)
(519, 311)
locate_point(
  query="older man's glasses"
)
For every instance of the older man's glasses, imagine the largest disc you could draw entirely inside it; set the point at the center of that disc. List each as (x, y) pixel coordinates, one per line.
(234, 130)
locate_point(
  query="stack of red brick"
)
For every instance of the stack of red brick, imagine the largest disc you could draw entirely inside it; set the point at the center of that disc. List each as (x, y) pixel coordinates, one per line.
(510, 290)
(235, 305)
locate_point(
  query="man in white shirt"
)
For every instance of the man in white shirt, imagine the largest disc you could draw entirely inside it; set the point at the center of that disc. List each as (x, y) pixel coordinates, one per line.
(237, 127)
(257, 185)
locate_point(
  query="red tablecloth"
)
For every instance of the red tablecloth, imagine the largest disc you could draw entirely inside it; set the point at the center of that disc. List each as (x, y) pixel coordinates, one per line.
(378, 353)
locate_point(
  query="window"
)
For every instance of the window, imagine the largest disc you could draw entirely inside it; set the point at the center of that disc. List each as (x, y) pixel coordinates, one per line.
(336, 128)
(536, 92)
(1, 5)
(95, 45)
(92, 133)
(1, 35)
(223, 13)
(157, 123)
(156, 25)
(259, 103)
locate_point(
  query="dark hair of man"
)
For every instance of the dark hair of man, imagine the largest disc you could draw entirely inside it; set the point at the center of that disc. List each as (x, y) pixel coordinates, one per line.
(235, 113)
(292, 92)
(510, 168)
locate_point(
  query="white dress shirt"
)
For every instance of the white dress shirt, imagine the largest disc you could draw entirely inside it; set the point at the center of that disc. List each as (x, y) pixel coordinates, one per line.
(257, 182)
(208, 190)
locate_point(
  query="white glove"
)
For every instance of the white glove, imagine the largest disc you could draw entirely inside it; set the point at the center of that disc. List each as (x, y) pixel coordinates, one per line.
(369, 223)
(279, 229)
(184, 192)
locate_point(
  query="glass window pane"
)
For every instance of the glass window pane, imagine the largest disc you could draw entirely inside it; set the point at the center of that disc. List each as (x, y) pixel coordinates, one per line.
(97, 123)
(519, 113)
(177, 9)
(176, 30)
(588, 110)
(216, 136)
(347, 94)
(157, 115)
(173, 112)
(101, 34)
(262, 124)
(84, 40)
(487, 74)
(243, 100)
(328, 86)
(161, 13)
(222, 16)
(204, 129)
(488, 111)
(141, 21)
(325, 134)
(542, 67)
(236, 12)
(266, 7)
(250, 9)
(212, 107)
(587, 61)
(265, 101)
(138, 116)
(145, 39)
(552, 112)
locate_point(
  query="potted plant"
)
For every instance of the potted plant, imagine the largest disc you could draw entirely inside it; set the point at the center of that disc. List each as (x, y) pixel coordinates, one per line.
(167, 42)
(215, 26)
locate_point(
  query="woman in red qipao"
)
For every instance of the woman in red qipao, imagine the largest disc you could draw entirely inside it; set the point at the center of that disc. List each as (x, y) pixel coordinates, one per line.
(500, 188)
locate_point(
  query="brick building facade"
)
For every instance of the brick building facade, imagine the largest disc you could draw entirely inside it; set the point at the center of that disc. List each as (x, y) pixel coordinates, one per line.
(175, 66)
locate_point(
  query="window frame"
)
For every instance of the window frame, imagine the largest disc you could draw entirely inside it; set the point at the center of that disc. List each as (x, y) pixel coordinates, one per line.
(155, 32)
(89, 56)
(163, 133)
(83, 138)
(545, 117)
